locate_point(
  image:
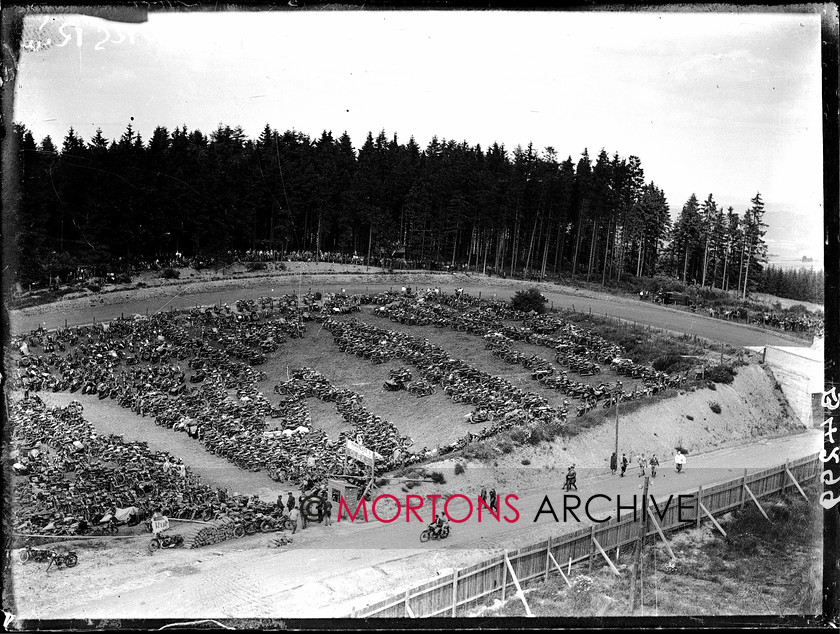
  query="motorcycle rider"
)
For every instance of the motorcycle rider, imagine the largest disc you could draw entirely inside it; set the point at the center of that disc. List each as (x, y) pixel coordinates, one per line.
(437, 524)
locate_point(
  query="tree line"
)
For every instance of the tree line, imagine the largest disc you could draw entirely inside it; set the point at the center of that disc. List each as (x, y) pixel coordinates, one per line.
(805, 285)
(524, 210)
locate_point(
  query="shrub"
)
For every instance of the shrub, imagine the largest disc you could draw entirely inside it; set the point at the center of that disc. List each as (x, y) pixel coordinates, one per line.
(711, 385)
(581, 591)
(170, 274)
(721, 373)
(526, 462)
(94, 287)
(529, 300)
(256, 266)
(672, 363)
(689, 417)
(519, 436)
(123, 278)
(506, 447)
(459, 469)
(477, 451)
(715, 407)
(437, 477)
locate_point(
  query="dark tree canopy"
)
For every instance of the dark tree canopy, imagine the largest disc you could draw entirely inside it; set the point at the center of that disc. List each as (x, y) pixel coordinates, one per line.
(124, 202)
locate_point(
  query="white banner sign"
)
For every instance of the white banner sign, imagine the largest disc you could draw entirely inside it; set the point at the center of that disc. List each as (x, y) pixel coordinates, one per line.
(158, 526)
(360, 453)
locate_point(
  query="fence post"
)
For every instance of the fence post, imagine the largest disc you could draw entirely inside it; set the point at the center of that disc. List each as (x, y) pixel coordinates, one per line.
(454, 591)
(699, 498)
(784, 477)
(744, 489)
(504, 580)
(591, 547)
(547, 553)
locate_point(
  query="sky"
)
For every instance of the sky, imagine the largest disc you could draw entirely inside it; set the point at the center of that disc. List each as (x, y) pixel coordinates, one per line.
(721, 103)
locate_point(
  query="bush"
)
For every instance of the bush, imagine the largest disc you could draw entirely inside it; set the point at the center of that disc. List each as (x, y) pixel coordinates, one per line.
(256, 266)
(671, 363)
(581, 591)
(477, 451)
(529, 300)
(94, 287)
(506, 447)
(459, 469)
(170, 274)
(715, 407)
(519, 436)
(526, 462)
(122, 278)
(437, 477)
(721, 374)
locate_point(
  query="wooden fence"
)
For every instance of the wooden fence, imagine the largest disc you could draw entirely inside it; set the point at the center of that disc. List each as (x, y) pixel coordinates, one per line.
(500, 576)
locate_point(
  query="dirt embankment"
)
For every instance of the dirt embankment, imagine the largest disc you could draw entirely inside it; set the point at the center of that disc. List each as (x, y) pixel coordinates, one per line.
(751, 407)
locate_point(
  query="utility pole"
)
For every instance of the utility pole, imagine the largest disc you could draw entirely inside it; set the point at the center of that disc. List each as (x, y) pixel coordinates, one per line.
(640, 543)
(617, 399)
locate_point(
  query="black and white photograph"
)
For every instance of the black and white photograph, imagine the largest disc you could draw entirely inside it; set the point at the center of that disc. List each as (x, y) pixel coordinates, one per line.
(324, 314)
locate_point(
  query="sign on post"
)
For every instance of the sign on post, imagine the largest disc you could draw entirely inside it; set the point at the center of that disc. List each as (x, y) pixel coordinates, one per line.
(158, 526)
(360, 453)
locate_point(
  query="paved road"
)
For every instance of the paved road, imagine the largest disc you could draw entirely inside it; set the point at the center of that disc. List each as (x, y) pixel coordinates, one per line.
(626, 308)
(330, 570)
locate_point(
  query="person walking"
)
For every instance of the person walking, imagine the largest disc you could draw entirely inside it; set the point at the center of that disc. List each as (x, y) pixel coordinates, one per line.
(679, 460)
(494, 502)
(571, 479)
(303, 518)
(326, 511)
(642, 465)
(613, 463)
(624, 464)
(290, 501)
(654, 462)
(483, 494)
(294, 515)
(280, 505)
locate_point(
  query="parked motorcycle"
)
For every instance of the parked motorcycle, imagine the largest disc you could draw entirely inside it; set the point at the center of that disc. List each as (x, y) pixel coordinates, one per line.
(33, 554)
(163, 540)
(68, 559)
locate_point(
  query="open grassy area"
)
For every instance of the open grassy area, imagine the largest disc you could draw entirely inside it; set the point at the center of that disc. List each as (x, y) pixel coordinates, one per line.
(761, 567)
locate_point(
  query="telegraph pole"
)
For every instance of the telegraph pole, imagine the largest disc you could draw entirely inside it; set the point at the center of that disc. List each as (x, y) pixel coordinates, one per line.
(640, 543)
(617, 399)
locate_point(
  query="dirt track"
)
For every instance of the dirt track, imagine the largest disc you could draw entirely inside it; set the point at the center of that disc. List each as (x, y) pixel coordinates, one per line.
(203, 292)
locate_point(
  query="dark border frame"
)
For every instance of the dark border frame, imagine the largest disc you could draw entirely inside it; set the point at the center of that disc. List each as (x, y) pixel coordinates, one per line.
(830, 54)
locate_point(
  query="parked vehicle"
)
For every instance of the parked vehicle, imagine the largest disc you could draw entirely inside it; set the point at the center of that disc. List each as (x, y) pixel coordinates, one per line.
(68, 558)
(163, 540)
